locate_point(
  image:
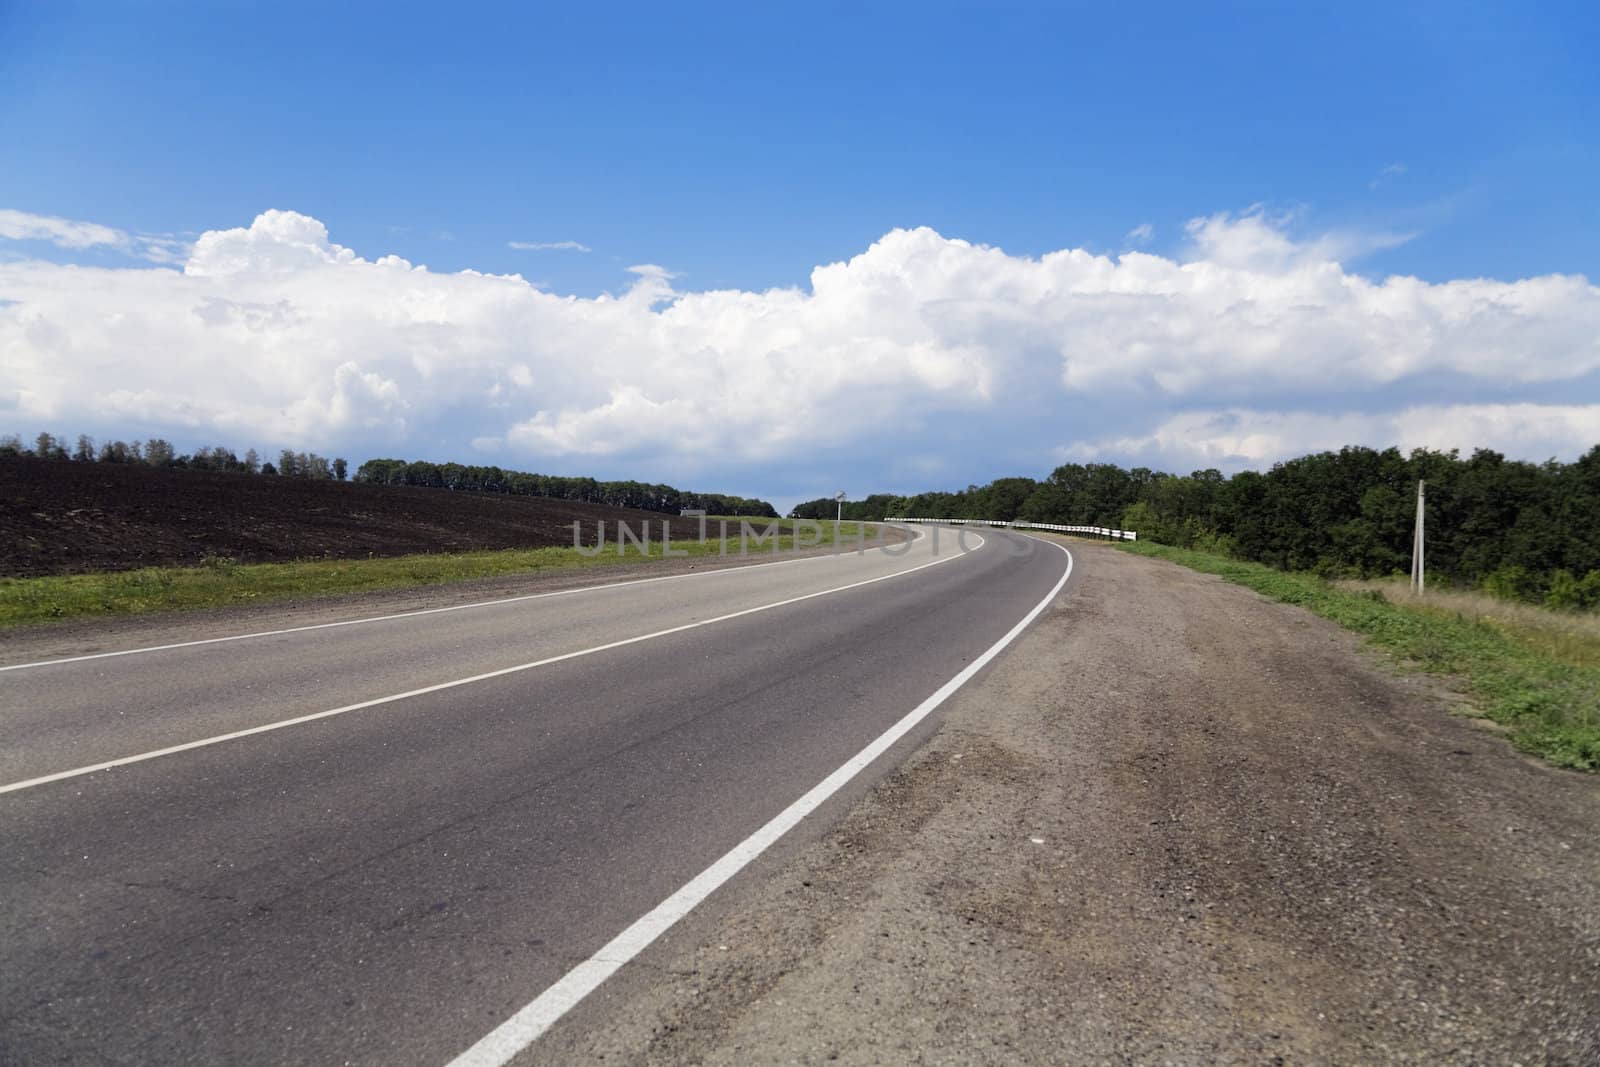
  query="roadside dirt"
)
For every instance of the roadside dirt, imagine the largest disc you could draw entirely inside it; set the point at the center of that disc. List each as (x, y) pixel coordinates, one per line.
(1176, 823)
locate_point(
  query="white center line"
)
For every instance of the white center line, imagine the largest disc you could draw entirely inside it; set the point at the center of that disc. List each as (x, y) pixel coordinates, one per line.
(122, 761)
(426, 611)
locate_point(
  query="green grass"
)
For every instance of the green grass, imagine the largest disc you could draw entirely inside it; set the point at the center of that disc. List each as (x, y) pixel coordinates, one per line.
(223, 582)
(1547, 693)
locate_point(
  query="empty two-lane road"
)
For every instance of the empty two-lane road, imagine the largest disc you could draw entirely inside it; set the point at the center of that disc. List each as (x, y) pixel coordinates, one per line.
(378, 842)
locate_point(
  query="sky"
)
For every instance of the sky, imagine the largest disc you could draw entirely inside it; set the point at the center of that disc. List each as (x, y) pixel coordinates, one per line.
(781, 250)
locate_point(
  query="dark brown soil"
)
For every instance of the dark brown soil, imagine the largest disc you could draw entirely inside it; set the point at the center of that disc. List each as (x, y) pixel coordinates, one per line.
(66, 518)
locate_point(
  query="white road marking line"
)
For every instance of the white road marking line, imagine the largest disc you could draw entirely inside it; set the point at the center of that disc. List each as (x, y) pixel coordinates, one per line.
(505, 1041)
(425, 611)
(204, 742)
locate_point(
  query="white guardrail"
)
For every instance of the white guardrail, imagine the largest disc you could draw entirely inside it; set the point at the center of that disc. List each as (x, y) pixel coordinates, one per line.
(1053, 527)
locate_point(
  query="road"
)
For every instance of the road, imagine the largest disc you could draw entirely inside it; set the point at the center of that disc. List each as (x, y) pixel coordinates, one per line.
(1175, 823)
(378, 842)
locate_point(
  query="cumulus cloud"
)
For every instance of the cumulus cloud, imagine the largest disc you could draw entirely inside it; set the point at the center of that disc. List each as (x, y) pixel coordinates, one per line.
(548, 246)
(1243, 438)
(920, 358)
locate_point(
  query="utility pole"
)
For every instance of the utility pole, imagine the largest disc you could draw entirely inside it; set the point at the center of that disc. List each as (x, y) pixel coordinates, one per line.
(1419, 579)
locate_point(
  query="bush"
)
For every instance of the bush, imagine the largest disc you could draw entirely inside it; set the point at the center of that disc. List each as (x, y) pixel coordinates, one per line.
(1512, 582)
(1562, 593)
(1589, 590)
(1218, 544)
(1141, 518)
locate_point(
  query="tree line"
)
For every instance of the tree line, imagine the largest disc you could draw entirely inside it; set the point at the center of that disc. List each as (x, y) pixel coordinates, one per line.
(1528, 531)
(159, 452)
(489, 479)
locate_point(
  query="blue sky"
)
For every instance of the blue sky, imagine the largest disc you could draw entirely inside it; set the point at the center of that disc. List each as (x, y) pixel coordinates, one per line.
(739, 147)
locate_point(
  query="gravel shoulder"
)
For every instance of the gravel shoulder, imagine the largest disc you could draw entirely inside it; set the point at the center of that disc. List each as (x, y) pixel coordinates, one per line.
(1175, 823)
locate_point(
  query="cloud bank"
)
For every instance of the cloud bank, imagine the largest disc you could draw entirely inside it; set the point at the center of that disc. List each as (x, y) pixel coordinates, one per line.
(1194, 440)
(922, 361)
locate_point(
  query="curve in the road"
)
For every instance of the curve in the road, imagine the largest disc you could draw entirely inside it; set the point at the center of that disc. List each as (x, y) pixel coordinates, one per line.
(502, 1044)
(391, 887)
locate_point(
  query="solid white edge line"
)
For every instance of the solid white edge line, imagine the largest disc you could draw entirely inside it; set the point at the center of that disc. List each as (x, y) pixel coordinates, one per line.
(204, 742)
(505, 1041)
(439, 611)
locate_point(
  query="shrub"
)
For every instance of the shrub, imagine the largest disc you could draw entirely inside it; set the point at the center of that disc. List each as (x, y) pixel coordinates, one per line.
(1562, 593)
(1219, 544)
(1512, 582)
(1589, 590)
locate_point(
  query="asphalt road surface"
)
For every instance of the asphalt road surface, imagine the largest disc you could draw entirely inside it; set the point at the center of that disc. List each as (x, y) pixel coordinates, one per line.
(1175, 824)
(379, 842)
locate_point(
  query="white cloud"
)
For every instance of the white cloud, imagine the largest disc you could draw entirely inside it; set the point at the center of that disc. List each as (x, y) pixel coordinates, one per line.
(63, 233)
(167, 251)
(1257, 241)
(1140, 234)
(548, 246)
(920, 354)
(1243, 438)
(73, 235)
(278, 242)
(1392, 170)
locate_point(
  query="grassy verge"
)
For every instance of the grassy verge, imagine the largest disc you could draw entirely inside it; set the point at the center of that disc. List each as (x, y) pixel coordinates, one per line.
(222, 582)
(1532, 672)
